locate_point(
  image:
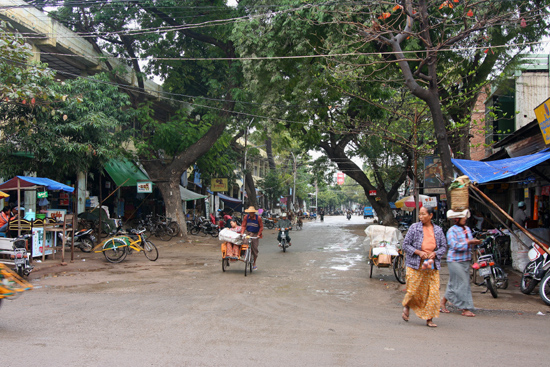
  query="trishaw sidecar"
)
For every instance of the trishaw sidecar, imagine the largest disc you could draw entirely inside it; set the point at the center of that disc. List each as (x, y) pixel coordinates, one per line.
(383, 245)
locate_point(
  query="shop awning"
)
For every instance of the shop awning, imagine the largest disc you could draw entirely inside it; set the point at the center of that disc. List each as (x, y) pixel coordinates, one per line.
(25, 182)
(125, 172)
(187, 195)
(483, 172)
(229, 199)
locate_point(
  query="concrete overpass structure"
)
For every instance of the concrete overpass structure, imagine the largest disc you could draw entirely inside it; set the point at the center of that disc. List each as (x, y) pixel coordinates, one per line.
(72, 55)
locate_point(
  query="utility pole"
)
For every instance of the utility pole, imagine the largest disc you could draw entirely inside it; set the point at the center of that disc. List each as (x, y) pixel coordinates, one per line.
(316, 192)
(294, 188)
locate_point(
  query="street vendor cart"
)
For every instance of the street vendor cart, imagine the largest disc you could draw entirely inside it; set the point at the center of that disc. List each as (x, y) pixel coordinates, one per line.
(383, 245)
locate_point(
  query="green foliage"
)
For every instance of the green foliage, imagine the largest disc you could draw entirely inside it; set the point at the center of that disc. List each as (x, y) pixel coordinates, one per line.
(83, 129)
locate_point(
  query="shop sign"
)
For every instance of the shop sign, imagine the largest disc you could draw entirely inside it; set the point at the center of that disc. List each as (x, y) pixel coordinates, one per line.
(545, 191)
(526, 193)
(435, 191)
(219, 184)
(430, 202)
(57, 214)
(543, 117)
(42, 195)
(372, 192)
(145, 187)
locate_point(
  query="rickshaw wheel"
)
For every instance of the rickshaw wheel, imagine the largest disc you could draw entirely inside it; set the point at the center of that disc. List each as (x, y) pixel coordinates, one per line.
(399, 269)
(371, 262)
(224, 264)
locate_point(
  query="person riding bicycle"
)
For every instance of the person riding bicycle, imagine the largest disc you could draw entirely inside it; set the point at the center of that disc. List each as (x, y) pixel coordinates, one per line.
(253, 226)
(284, 223)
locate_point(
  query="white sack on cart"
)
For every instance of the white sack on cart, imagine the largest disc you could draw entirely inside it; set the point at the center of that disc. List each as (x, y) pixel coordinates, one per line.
(228, 235)
(382, 236)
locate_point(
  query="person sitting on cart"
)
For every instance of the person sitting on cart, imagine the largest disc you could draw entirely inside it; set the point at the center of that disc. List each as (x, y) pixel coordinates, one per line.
(233, 251)
(283, 223)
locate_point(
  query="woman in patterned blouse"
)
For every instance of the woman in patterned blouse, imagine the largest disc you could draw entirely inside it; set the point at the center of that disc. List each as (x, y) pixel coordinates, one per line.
(424, 246)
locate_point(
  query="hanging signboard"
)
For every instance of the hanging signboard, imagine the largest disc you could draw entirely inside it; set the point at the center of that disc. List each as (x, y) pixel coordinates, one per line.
(340, 178)
(42, 194)
(543, 117)
(219, 184)
(145, 187)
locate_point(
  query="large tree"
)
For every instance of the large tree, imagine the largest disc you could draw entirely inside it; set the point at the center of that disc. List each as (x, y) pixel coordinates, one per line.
(178, 47)
(442, 52)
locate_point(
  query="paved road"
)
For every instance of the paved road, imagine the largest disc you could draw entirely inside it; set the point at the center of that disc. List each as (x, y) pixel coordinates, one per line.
(311, 306)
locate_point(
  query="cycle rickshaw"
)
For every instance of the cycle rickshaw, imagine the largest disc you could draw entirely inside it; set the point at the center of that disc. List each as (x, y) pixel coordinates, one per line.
(383, 245)
(245, 255)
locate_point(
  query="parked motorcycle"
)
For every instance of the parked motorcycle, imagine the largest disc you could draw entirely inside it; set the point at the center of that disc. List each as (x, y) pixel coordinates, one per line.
(535, 270)
(269, 223)
(83, 239)
(21, 255)
(494, 277)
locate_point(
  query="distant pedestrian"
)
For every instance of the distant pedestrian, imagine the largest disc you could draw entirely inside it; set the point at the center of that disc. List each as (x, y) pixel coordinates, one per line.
(520, 217)
(424, 246)
(460, 241)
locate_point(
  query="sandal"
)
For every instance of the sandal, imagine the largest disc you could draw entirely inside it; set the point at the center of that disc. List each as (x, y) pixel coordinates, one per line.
(405, 314)
(444, 310)
(430, 323)
(468, 313)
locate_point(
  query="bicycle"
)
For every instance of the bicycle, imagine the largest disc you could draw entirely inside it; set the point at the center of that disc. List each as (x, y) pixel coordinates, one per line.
(11, 284)
(246, 255)
(156, 227)
(115, 249)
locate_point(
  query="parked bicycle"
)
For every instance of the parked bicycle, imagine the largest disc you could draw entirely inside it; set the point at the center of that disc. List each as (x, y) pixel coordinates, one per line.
(115, 249)
(156, 227)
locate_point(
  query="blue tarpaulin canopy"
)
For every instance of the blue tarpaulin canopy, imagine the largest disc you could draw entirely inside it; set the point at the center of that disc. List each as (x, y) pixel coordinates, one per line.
(27, 182)
(483, 172)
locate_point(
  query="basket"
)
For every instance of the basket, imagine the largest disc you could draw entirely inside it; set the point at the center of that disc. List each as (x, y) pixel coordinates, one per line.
(460, 195)
(460, 199)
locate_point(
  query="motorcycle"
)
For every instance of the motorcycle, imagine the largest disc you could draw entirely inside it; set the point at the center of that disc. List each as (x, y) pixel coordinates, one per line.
(21, 256)
(537, 271)
(349, 216)
(283, 243)
(83, 239)
(494, 277)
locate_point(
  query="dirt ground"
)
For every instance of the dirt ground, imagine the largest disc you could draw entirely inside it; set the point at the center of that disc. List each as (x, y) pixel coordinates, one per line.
(314, 305)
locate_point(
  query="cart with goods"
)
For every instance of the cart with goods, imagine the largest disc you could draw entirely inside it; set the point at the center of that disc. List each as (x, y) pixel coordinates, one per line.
(383, 245)
(244, 242)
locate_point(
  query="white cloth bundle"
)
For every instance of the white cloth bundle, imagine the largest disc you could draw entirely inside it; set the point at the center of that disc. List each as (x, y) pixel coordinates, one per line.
(228, 235)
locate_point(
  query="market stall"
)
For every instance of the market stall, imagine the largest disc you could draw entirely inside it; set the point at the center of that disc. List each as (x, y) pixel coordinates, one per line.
(42, 230)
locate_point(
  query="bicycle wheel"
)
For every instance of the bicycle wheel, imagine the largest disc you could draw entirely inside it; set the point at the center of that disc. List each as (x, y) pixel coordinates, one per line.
(544, 289)
(491, 285)
(163, 233)
(175, 228)
(114, 250)
(528, 282)
(399, 269)
(150, 250)
(247, 262)
(501, 278)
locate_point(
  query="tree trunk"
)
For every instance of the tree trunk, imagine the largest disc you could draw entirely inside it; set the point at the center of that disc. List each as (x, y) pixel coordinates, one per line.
(172, 202)
(251, 191)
